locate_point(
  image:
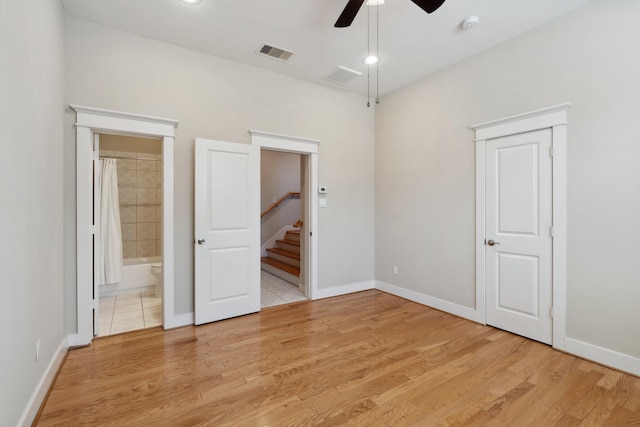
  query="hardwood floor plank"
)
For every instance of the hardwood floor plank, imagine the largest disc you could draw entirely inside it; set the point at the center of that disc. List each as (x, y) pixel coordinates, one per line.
(634, 420)
(567, 421)
(364, 359)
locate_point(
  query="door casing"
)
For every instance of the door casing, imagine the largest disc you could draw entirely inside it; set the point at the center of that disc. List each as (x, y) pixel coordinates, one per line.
(308, 148)
(90, 121)
(554, 118)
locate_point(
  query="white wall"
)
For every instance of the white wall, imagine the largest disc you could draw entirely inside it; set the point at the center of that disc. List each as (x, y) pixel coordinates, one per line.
(279, 175)
(31, 194)
(425, 168)
(220, 99)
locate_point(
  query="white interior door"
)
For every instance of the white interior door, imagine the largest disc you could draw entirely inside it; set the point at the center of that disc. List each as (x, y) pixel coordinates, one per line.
(227, 226)
(518, 234)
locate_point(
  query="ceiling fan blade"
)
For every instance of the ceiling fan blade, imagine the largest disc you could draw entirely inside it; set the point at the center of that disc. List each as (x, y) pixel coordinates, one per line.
(429, 6)
(349, 13)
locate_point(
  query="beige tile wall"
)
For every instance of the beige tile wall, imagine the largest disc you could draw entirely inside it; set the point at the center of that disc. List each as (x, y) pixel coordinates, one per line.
(140, 194)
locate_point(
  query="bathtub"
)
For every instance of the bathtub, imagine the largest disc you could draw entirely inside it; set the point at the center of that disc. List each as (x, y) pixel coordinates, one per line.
(136, 277)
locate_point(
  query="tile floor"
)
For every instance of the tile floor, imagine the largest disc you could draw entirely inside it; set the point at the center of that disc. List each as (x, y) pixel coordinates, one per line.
(139, 310)
(128, 312)
(275, 291)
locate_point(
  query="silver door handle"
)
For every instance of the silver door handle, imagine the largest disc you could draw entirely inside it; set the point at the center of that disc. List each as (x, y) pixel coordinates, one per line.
(200, 241)
(491, 242)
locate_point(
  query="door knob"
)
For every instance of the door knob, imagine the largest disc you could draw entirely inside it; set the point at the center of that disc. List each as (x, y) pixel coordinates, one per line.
(201, 241)
(491, 243)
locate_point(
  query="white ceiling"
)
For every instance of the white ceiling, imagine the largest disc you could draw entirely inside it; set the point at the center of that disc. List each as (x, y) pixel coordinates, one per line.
(412, 43)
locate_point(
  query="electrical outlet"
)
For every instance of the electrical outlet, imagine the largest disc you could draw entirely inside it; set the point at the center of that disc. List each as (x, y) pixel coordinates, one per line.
(394, 270)
(37, 350)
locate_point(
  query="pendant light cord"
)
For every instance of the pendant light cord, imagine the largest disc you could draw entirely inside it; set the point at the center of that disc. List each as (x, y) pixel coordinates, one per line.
(378, 54)
(368, 54)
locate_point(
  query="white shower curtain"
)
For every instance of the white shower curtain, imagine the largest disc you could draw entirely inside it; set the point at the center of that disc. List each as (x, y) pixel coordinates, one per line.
(110, 232)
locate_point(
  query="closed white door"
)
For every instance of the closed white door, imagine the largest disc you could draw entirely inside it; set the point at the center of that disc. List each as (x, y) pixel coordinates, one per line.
(518, 234)
(227, 226)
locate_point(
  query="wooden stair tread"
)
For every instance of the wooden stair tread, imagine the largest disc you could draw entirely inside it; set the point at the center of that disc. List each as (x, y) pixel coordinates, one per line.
(284, 253)
(282, 266)
(293, 231)
(288, 242)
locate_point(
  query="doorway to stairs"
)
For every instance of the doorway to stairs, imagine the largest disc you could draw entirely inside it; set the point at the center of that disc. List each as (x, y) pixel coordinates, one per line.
(299, 234)
(282, 213)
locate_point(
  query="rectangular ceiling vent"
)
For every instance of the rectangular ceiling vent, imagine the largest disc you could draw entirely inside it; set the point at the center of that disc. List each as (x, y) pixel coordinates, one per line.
(274, 52)
(342, 75)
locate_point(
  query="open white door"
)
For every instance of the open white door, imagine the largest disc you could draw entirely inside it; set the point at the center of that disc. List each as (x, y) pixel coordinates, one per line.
(518, 234)
(227, 227)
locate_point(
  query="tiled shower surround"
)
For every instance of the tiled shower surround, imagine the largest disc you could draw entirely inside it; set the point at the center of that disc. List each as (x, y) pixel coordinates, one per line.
(140, 194)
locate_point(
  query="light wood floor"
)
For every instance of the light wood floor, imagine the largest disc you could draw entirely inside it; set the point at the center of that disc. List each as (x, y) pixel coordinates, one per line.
(365, 359)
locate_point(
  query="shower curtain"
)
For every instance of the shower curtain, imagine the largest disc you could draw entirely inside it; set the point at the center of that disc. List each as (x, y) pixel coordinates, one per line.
(110, 231)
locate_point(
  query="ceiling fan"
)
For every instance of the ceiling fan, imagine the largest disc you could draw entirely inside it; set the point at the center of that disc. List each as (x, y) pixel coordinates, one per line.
(351, 10)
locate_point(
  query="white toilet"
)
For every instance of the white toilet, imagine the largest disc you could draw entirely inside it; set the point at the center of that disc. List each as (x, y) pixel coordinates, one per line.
(156, 271)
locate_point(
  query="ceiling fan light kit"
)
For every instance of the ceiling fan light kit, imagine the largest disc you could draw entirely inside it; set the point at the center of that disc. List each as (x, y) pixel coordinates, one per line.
(353, 6)
(371, 60)
(349, 14)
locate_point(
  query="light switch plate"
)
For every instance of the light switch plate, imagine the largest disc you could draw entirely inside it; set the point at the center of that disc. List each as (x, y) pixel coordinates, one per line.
(322, 203)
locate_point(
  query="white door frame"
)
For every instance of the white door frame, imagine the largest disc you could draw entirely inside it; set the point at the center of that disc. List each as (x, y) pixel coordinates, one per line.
(309, 147)
(555, 118)
(88, 122)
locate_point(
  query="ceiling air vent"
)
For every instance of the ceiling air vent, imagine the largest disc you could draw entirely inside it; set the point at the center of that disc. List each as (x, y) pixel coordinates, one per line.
(342, 75)
(275, 52)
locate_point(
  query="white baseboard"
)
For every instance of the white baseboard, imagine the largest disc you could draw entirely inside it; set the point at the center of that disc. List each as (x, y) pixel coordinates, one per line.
(73, 340)
(37, 398)
(604, 356)
(179, 320)
(437, 303)
(113, 291)
(343, 290)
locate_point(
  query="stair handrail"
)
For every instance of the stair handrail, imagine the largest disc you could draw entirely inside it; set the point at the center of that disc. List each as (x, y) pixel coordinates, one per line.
(289, 195)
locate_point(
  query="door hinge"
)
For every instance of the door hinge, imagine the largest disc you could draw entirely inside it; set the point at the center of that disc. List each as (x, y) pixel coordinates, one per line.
(551, 312)
(94, 304)
(551, 151)
(551, 231)
(93, 229)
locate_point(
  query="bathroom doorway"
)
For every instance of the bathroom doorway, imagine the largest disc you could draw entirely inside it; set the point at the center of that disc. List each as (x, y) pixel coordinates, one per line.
(130, 217)
(90, 122)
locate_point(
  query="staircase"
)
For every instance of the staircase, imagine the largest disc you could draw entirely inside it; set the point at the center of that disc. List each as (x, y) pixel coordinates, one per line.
(283, 261)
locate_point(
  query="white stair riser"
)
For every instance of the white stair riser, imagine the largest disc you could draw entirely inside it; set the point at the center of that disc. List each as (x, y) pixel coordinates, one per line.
(288, 277)
(285, 259)
(287, 247)
(292, 236)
